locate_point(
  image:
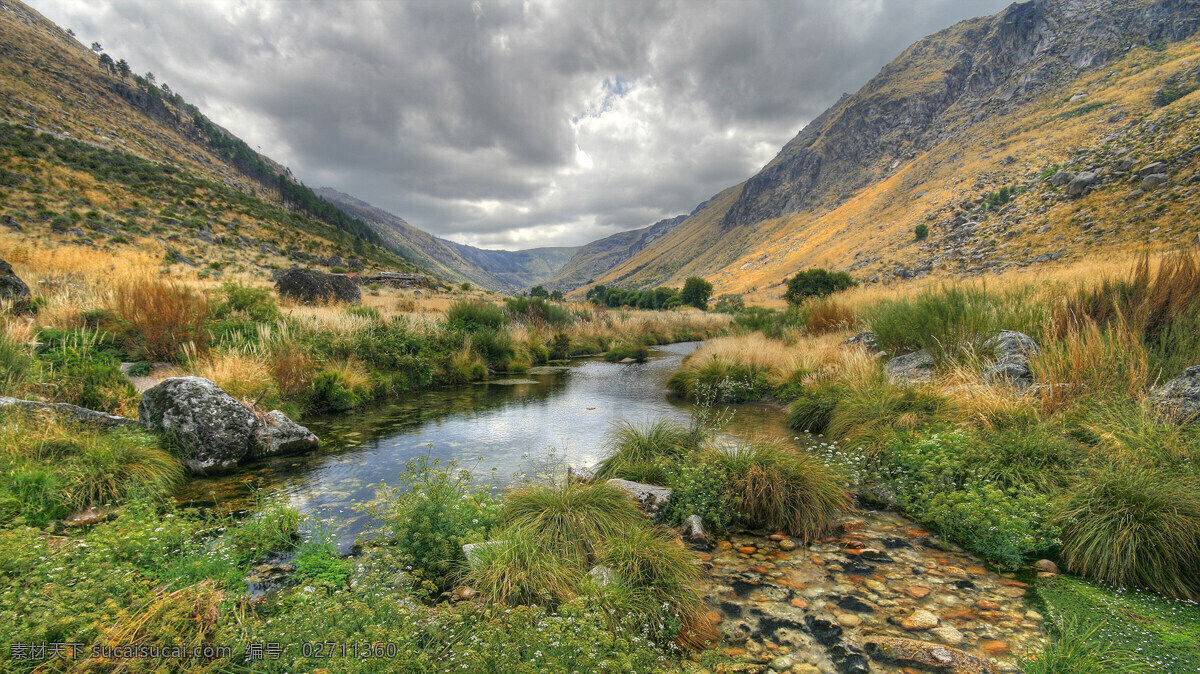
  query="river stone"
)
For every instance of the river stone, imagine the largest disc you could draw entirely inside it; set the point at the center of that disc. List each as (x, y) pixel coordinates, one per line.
(693, 528)
(12, 288)
(310, 286)
(911, 368)
(277, 434)
(920, 620)
(947, 635)
(1179, 399)
(651, 497)
(212, 430)
(1081, 183)
(867, 340)
(913, 652)
(71, 413)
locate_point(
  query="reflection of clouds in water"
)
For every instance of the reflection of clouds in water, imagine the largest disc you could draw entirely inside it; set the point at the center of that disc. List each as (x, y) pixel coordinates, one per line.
(527, 431)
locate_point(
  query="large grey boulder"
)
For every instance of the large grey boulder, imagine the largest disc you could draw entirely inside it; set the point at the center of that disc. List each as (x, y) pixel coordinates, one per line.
(911, 368)
(309, 286)
(12, 288)
(1061, 178)
(71, 413)
(277, 434)
(1080, 183)
(651, 497)
(213, 432)
(1012, 352)
(1154, 181)
(1179, 399)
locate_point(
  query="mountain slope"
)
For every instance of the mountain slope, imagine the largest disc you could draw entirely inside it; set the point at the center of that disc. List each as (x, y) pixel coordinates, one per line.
(95, 155)
(502, 270)
(597, 257)
(987, 104)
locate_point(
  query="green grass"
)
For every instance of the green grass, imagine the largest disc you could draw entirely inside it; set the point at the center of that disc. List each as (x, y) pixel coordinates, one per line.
(872, 410)
(719, 380)
(772, 487)
(812, 410)
(1132, 630)
(952, 320)
(570, 520)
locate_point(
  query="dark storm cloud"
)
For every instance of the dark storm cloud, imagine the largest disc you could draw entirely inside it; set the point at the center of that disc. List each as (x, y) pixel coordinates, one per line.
(507, 123)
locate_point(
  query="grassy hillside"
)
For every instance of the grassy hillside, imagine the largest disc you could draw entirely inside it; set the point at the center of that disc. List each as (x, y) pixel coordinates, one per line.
(98, 158)
(977, 176)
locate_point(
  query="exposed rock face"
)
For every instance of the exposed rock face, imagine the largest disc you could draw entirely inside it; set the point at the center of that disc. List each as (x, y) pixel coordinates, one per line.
(1013, 350)
(987, 63)
(312, 287)
(277, 434)
(1179, 399)
(651, 497)
(911, 368)
(12, 288)
(72, 413)
(213, 429)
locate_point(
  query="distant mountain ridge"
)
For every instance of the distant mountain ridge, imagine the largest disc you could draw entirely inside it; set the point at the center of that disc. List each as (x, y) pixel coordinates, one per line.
(501, 270)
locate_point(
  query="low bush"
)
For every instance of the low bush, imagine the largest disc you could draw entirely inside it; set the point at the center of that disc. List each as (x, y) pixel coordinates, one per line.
(776, 488)
(253, 303)
(538, 311)
(816, 283)
(472, 315)
(1135, 526)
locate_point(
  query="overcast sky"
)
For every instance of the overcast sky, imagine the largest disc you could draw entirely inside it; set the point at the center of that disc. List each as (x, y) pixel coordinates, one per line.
(509, 124)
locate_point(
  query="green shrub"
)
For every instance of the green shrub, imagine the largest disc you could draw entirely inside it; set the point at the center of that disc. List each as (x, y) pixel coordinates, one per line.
(434, 511)
(730, 304)
(921, 232)
(699, 486)
(273, 528)
(1135, 526)
(475, 315)
(255, 304)
(329, 393)
(816, 283)
(773, 487)
(538, 311)
(318, 561)
(696, 292)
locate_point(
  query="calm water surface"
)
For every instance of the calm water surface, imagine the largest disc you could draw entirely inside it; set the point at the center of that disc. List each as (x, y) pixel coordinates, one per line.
(532, 424)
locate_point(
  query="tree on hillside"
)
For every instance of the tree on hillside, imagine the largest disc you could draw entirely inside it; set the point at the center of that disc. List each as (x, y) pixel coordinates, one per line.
(106, 63)
(97, 48)
(123, 68)
(816, 283)
(696, 292)
(150, 77)
(556, 295)
(539, 291)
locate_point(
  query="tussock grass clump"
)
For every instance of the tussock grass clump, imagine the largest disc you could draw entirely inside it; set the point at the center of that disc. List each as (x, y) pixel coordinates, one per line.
(1088, 361)
(520, 571)
(811, 412)
(873, 408)
(1135, 526)
(823, 316)
(50, 469)
(572, 519)
(775, 488)
(169, 318)
(639, 451)
(475, 315)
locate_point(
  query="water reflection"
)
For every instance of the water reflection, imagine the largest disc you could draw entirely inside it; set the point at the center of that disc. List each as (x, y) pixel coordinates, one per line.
(524, 425)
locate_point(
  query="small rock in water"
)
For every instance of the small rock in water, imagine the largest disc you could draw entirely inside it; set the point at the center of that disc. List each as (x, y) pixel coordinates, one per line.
(747, 549)
(849, 620)
(947, 635)
(920, 620)
(787, 544)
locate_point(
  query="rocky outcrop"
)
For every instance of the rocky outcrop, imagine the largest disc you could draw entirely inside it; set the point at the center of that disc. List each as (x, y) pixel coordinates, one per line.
(867, 340)
(70, 413)
(911, 368)
(1012, 351)
(12, 288)
(309, 286)
(1179, 399)
(211, 431)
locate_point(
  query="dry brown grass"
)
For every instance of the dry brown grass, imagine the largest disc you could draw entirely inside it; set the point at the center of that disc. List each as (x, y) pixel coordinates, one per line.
(828, 315)
(171, 318)
(243, 376)
(1090, 360)
(292, 369)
